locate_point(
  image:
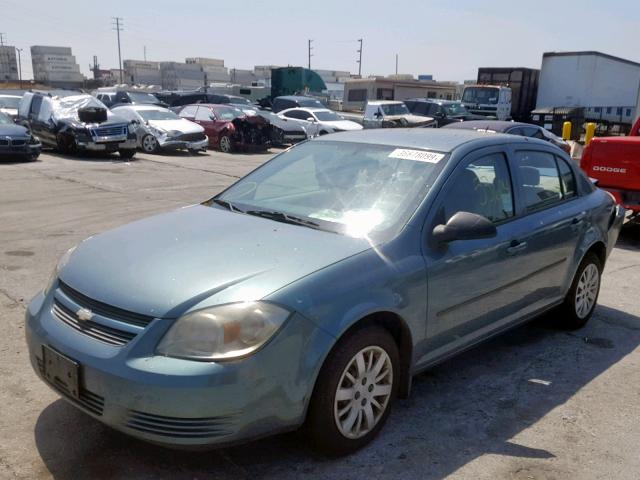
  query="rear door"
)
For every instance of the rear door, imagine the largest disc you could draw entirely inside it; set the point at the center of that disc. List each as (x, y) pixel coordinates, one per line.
(205, 117)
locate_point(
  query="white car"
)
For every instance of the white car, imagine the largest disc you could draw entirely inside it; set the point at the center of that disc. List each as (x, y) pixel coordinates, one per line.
(9, 105)
(319, 121)
(158, 128)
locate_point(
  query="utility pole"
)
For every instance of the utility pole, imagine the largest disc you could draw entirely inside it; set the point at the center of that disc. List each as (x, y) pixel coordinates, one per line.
(360, 58)
(145, 53)
(396, 64)
(118, 28)
(2, 38)
(19, 66)
(310, 55)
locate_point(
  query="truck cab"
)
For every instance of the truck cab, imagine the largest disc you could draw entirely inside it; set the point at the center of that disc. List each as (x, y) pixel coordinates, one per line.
(488, 100)
(615, 163)
(392, 113)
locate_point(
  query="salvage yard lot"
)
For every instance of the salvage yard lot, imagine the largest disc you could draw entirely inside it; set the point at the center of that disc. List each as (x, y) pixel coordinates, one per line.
(535, 403)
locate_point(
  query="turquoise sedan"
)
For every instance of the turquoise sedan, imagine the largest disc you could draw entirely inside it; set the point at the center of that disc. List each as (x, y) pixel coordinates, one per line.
(312, 290)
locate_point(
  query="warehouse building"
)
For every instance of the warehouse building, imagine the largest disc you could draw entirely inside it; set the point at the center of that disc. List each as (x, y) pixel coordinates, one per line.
(358, 91)
(141, 72)
(8, 63)
(56, 66)
(605, 86)
(213, 68)
(181, 76)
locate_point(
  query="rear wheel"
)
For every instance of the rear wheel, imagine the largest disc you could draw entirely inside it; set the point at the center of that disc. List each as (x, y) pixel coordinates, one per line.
(354, 392)
(225, 144)
(580, 302)
(66, 143)
(149, 143)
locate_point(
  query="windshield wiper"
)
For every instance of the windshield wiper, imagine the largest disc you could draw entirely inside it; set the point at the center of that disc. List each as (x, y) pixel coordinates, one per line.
(227, 205)
(283, 217)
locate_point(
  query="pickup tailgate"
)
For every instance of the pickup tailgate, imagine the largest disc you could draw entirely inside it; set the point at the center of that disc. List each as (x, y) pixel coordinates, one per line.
(614, 162)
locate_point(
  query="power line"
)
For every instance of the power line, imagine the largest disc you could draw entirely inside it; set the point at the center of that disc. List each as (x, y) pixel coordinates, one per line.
(118, 28)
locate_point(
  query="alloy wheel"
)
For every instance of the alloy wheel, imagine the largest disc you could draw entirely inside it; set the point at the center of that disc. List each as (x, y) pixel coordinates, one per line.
(225, 144)
(149, 143)
(587, 290)
(363, 392)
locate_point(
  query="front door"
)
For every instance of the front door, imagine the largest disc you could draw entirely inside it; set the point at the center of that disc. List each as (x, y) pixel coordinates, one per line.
(207, 120)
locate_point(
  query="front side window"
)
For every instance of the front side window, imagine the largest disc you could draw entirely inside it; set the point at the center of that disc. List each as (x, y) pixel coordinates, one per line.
(539, 180)
(227, 113)
(483, 187)
(355, 189)
(188, 111)
(203, 114)
(394, 109)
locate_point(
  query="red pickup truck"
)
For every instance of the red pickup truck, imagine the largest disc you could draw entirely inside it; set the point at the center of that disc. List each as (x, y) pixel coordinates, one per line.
(615, 163)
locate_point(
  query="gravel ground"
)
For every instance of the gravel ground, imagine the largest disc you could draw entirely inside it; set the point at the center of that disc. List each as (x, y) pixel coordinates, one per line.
(534, 403)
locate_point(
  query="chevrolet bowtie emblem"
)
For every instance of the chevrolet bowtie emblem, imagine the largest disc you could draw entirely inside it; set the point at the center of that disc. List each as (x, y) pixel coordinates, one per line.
(84, 314)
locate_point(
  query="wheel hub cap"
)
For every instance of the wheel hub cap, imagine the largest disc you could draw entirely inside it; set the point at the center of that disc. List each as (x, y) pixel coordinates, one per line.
(587, 290)
(363, 392)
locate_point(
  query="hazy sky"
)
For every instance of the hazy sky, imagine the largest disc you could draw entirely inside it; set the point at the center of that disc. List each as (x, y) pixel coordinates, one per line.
(447, 38)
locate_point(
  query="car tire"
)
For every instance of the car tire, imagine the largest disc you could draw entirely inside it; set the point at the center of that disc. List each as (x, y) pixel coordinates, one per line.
(127, 153)
(149, 144)
(225, 144)
(339, 426)
(66, 143)
(581, 300)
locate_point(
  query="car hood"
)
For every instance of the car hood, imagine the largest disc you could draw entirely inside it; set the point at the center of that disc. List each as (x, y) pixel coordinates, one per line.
(181, 125)
(343, 125)
(11, 130)
(165, 265)
(412, 119)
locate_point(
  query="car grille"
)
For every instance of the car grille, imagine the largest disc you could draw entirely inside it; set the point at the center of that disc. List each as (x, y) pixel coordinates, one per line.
(105, 334)
(178, 427)
(190, 137)
(88, 400)
(110, 131)
(103, 309)
(16, 142)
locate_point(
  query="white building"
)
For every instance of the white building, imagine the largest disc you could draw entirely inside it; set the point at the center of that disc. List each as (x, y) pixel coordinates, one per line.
(139, 72)
(213, 68)
(181, 76)
(8, 64)
(56, 66)
(606, 86)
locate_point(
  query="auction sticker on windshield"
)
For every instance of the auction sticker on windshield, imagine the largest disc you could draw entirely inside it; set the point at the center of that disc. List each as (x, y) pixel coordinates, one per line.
(417, 155)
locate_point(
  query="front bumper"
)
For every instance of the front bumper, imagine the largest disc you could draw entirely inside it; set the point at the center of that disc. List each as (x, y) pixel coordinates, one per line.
(24, 150)
(180, 402)
(108, 146)
(168, 143)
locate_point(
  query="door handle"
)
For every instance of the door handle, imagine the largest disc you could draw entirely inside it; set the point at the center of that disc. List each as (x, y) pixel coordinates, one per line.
(577, 220)
(516, 246)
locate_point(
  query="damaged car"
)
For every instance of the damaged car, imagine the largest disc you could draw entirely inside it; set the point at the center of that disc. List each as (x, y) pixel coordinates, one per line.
(283, 130)
(16, 141)
(76, 123)
(228, 128)
(158, 129)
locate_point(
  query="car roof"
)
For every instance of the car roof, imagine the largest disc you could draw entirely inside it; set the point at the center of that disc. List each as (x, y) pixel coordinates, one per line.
(495, 125)
(10, 96)
(308, 109)
(141, 106)
(295, 97)
(384, 102)
(440, 140)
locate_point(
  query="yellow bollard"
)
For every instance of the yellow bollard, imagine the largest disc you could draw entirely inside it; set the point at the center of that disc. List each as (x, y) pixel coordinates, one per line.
(566, 131)
(589, 132)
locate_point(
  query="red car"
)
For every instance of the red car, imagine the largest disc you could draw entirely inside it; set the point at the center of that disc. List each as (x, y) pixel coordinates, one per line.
(228, 128)
(615, 163)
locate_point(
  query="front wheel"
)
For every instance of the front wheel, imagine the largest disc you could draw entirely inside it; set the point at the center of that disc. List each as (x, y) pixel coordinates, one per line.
(149, 143)
(580, 302)
(354, 392)
(225, 144)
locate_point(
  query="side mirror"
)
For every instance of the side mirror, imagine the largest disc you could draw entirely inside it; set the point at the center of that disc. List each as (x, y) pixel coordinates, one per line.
(135, 122)
(311, 119)
(377, 115)
(464, 226)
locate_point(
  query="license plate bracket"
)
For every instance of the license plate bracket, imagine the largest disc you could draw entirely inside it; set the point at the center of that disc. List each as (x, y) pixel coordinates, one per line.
(61, 371)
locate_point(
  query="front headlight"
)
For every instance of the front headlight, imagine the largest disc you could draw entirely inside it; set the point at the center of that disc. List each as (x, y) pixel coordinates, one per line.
(56, 271)
(223, 332)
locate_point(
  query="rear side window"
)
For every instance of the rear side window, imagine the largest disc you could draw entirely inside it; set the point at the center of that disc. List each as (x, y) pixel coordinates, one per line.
(189, 111)
(569, 187)
(539, 180)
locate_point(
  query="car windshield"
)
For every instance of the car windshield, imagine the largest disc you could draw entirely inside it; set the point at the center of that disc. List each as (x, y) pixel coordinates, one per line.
(310, 103)
(327, 116)
(355, 189)
(395, 109)
(484, 95)
(4, 119)
(228, 113)
(158, 115)
(141, 97)
(455, 109)
(9, 102)
(239, 101)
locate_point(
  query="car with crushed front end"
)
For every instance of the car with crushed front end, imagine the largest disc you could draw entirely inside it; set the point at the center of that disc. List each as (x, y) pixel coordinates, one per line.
(76, 123)
(312, 290)
(158, 129)
(16, 141)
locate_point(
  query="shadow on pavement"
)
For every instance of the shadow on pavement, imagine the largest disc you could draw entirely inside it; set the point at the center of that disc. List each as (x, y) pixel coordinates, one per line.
(629, 238)
(472, 405)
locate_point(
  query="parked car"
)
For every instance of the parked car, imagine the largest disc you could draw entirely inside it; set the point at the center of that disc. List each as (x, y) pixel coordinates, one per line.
(76, 123)
(9, 105)
(283, 130)
(388, 114)
(443, 112)
(321, 119)
(294, 101)
(124, 97)
(615, 163)
(513, 128)
(16, 141)
(228, 128)
(158, 128)
(313, 289)
(214, 98)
